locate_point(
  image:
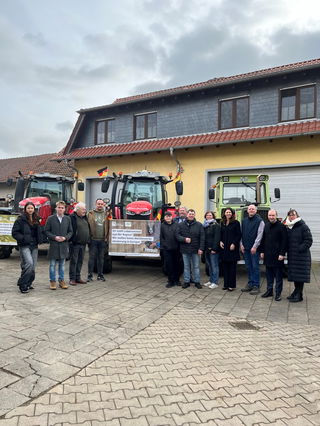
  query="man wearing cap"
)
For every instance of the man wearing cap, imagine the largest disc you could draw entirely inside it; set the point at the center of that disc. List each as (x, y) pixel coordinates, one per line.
(170, 249)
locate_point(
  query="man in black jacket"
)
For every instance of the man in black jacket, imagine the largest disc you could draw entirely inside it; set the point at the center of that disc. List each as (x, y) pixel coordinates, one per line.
(190, 235)
(273, 250)
(79, 240)
(170, 249)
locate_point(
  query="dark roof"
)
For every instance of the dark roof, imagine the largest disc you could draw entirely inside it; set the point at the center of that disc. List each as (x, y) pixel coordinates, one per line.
(10, 167)
(296, 128)
(219, 81)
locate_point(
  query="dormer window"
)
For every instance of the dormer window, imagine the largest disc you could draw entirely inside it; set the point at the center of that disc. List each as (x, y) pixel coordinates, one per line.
(234, 112)
(297, 103)
(145, 126)
(105, 131)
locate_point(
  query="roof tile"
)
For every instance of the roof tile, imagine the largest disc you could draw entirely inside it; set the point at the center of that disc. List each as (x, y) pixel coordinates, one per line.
(225, 136)
(10, 167)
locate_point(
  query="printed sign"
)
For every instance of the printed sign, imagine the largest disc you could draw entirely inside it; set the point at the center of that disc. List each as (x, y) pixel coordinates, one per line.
(134, 238)
(6, 224)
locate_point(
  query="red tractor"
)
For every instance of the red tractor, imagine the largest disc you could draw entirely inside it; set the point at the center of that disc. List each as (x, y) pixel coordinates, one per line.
(141, 195)
(44, 190)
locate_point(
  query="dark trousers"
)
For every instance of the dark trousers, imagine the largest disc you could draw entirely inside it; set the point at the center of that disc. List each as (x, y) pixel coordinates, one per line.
(229, 274)
(274, 273)
(96, 254)
(76, 261)
(171, 261)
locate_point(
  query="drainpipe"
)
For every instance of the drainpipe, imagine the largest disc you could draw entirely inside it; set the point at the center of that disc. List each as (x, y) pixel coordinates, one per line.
(76, 177)
(179, 167)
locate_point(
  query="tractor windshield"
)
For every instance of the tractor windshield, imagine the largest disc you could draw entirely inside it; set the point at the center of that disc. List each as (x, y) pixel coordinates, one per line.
(143, 190)
(242, 193)
(48, 188)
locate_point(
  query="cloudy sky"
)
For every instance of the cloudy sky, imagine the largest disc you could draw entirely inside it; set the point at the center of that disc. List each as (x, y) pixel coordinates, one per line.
(59, 56)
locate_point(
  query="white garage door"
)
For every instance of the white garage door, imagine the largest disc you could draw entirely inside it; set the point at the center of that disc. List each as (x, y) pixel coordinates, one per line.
(300, 187)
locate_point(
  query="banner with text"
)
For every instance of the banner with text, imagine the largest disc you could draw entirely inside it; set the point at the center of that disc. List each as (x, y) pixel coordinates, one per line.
(6, 224)
(134, 238)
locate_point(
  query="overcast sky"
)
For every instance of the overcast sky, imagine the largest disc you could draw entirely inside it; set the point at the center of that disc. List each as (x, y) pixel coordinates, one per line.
(59, 56)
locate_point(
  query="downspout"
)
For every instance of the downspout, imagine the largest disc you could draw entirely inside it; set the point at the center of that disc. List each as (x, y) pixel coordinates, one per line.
(179, 167)
(76, 176)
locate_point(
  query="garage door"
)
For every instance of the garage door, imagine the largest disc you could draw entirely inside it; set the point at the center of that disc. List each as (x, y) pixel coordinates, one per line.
(93, 191)
(300, 187)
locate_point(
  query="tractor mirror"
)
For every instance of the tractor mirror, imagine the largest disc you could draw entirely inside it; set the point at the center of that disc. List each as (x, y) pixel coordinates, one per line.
(105, 185)
(211, 194)
(179, 187)
(277, 193)
(80, 186)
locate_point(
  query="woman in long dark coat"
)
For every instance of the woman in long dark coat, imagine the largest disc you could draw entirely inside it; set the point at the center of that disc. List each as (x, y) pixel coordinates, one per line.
(26, 230)
(299, 257)
(230, 242)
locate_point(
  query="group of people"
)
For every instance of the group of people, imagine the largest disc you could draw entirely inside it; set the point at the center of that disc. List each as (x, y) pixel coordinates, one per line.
(68, 236)
(222, 242)
(183, 240)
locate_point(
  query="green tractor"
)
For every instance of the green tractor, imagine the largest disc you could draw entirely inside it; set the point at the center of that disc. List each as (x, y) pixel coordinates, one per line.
(239, 191)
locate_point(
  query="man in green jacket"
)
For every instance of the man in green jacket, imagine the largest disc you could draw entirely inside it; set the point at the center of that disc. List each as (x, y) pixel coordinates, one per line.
(98, 219)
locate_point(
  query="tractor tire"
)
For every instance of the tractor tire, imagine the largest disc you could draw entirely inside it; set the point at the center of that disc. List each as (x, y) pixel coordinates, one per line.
(5, 252)
(107, 265)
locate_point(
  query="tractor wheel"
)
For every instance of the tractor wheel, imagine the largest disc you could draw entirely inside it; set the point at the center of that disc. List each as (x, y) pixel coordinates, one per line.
(107, 265)
(5, 252)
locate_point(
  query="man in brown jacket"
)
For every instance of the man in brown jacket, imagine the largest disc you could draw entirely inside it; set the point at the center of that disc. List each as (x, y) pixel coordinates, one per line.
(98, 219)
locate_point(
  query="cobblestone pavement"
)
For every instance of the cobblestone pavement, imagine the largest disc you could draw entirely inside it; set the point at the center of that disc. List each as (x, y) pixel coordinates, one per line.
(130, 351)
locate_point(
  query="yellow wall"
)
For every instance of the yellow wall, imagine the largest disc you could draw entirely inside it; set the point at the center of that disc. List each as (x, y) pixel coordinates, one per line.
(196, 161)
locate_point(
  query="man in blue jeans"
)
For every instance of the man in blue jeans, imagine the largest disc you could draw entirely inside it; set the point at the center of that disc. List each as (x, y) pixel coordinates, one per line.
(59, 231)
(252, 232)
(190, 235)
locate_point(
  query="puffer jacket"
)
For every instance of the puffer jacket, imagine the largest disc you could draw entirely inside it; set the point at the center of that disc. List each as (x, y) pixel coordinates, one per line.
(299, 257)
(190, 229)
(22, 232)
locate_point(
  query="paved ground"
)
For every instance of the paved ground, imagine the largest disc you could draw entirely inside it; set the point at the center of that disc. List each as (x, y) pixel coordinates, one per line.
(130, 352)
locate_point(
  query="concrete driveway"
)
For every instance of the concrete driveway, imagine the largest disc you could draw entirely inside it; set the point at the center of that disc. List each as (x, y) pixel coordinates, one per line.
(130, 351)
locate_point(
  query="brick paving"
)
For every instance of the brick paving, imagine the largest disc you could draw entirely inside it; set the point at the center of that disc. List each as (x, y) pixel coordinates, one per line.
(131, 352)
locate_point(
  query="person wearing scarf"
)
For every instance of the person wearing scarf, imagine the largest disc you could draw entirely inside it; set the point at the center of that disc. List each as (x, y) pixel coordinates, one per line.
(299, 257)
(212, 233)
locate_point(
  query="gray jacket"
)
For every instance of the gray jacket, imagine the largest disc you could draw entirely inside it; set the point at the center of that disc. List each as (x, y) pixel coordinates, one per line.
(53, 228)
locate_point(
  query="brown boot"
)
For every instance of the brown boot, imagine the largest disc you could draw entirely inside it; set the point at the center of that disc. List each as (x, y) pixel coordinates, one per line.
(63, 284)
(53, 285)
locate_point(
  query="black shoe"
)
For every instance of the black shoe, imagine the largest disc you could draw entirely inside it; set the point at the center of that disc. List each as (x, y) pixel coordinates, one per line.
(297, 298)
(255, 290)
(246, 289)
(101, 278)
(90, 278)
(24, 290)
(185, 285)
(224, 288)
(31, 288)
(178, 283)
(268, 293)
(198, 285)
(277, 298)
(292, 295)
(169, 285)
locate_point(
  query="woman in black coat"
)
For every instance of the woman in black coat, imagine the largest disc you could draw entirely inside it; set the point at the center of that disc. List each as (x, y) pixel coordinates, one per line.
(26, 230)
(299, 257)
(230, 242)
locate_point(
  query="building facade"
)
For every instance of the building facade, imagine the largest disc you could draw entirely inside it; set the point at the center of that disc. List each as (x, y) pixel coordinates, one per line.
(266, 121)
